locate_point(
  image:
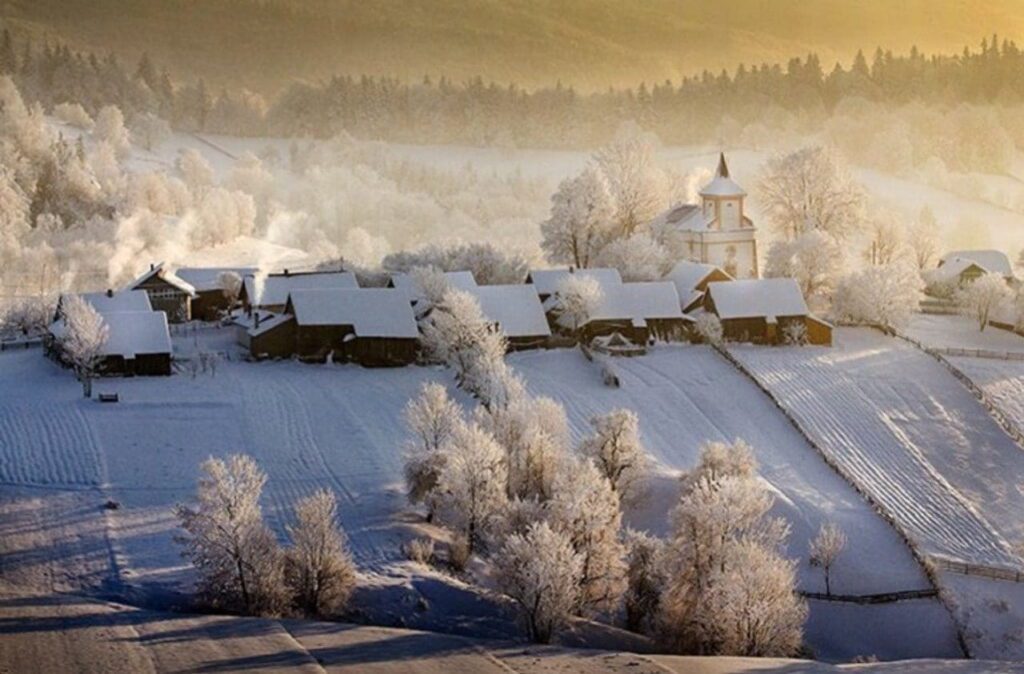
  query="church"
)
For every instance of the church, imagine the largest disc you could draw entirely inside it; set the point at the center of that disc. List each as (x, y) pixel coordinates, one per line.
(716, 231)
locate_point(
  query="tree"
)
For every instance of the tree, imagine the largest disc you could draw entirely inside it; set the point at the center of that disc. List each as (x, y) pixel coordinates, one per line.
(585, 508)
(230, 284)
(581, 221)
(637, 184)
(318, 567)
(27, 317)
(239, 562)
(616, 450)
(196, 172)
(979, 298)
(431, 419)
(815, 259)
(150, 130)
(540, 571)
(825, 549)
(579, 297)
(884, 296)
(83, 339)
(644, 580)
(471, 483)
(109, 128)
(709, 328)
(73, 114)
(810, 189)
(888, 243)
(923, 239)
(638, 257)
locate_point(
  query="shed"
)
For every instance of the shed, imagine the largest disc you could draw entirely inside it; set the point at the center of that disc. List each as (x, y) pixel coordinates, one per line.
(517, 310)
(271, 292)
(638, 311)
(210, 303)
(167, 292)
(369, 326)
(759, 310)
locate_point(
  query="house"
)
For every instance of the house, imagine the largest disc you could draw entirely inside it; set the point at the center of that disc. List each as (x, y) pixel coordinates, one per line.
(370, 326)
(271, 292)
(691, 279)
(167, 292)
(459, 280)
(761, 311)
(266, 335)
(716, 231)
(517, 310)
(210, 302)
(138, 343)
(637, 311)
(964, 266)
(111, 301)
(546, 281)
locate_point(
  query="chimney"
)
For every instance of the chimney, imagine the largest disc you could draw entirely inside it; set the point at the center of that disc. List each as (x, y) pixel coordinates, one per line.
(152, 266)
(256, 320)
(110, 292)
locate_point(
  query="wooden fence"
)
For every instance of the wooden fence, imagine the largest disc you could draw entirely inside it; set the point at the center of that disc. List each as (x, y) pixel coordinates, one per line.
(12, 344)
(882, 598)
(965, 569)
(972, 353)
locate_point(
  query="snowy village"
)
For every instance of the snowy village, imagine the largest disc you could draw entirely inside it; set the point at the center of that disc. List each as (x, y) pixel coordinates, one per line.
(326, 364)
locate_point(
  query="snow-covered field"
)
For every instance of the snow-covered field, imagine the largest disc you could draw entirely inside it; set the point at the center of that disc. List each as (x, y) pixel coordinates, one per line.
(913, 438)
(961, 332)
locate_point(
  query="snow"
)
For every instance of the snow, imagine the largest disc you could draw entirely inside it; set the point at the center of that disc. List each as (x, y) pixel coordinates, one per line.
(372, 312)
(638, 302)
(546, 281)
(515, 308)
(131, 333)
(460, 280)
(684, 217)
(751, 298)
(277, 287)
(158, 270)
(205, 279)
(952, 268)
(961, 332)
(687, 275)
(989, 260)
(722, 186)
(122, 300)
(1002, 381)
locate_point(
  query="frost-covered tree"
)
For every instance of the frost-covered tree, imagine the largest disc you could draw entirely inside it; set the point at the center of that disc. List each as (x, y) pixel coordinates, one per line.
(489, 264)
(723, 537)
(814, 258)
(644, 580)
(638, 257)
(709, 328)
(195, 171)
(979, 298)
(150, 130)
(432, 283)
(471, 483)
(319, 570)
(240, 565)
(794, 333)
(27, 317)
(923, 239)
(637, 183)
(73, 114)
(581, 221)
(825, 550)
(540, 571)
(884, 296)
(810, 189)
(431, 419)
(230, 284)
(110, 128)
(616, 450)
(586, 509)
(888, 241)
(83, 340)
(579, 298)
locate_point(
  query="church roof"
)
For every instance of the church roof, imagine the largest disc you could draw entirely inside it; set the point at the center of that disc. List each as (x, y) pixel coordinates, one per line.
(722, 185)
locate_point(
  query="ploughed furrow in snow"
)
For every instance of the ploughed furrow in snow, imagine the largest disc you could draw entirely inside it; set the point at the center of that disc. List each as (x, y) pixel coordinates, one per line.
(47, 444)
(688, 395)
(899, 426)
(1002, 381)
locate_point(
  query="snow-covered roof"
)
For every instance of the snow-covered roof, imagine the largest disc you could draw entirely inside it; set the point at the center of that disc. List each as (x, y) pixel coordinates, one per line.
(757, 298)
(267, 321)
(687, 275)
(722, 185)
(372, 312)
(682, 217)
(165, 275)
(277, 287)
(989, 260)
(122, 300)
(545, 281)
(205, 279)
(460, 280)
(953, 268)
(515, 308)
(639, 302)
(130, 333)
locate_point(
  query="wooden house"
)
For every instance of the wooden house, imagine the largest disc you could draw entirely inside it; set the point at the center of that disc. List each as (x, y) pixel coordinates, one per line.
(167, 292)
(110, 301)
(637, 311)
(270, 292)
(374, 327)
(759, 311)
(210, 302)
(138, 343)
(966, 266)
(266, 335)
(691, 280)
(517, 311)
(546, 281)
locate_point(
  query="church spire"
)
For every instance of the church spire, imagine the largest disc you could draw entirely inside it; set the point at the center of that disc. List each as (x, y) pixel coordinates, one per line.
(723, 168)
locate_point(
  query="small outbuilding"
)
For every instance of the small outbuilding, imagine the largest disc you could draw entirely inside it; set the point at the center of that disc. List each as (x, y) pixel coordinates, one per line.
(138, 343)
(210, 301)
(271, 292)
(167, 292)
(636, 311)
(761, 310)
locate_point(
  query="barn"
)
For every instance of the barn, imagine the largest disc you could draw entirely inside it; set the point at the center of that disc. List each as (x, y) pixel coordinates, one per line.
(546, 281)
(138, 343)
(760, 311)
(691, 279)
(637, 311)
(271, 292)
(167, 292)
(210, 302)
(266, 335)
(517, 310)
(374, 327)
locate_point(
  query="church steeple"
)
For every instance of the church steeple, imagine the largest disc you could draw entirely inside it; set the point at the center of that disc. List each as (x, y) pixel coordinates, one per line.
(723, 168)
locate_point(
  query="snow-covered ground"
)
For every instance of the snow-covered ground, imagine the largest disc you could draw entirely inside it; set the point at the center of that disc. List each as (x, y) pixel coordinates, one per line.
(961, 332)
(1002, 381)
(908, 434)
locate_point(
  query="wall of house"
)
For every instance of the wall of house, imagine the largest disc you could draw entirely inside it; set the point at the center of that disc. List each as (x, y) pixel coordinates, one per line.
(818, 332)
(209, 305)
(168, 299)
(276, 343)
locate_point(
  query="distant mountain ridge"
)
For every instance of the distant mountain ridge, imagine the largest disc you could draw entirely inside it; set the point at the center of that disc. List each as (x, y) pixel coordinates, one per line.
(264, 44)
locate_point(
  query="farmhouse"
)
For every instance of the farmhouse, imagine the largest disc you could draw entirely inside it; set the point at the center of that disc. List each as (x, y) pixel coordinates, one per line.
(271, 292)
(716, 231)
(210, 302)
(167, 292)
(637, 311)
(517, 310)
(691, 280)
(374, 327)
(546, 281)
(138, 343)
(110, 301)
(762, 311)
(964, 266)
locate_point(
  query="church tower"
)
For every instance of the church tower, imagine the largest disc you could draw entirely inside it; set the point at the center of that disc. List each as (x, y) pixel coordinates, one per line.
(723, 199)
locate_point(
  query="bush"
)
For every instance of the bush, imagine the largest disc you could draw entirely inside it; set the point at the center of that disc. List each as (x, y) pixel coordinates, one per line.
(420, 550)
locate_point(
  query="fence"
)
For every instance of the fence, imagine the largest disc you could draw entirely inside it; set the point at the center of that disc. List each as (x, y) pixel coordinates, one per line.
(965, 569)
(12, 344)
(973, 353)
(883, 598)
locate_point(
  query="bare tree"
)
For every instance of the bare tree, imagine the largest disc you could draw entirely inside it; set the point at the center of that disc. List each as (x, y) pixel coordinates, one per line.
(810, 189)
(825, 549)
(979, 298)
(318, 567)
(540, 571)
(431, 418)
(923, 238)
(616, 450)
(239, 562)
(581, 221)
(83, 340)
(637, 183)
